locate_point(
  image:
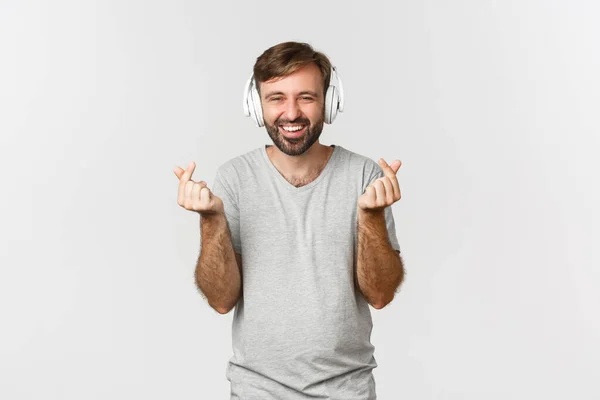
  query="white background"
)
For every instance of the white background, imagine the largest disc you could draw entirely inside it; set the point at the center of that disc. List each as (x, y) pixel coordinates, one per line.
(492, 106)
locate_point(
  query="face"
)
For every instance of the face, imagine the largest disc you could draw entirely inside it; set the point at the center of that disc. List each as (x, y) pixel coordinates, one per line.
(293, 109)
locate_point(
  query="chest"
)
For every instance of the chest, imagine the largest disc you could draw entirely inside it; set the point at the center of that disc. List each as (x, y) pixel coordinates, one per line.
(325, 215)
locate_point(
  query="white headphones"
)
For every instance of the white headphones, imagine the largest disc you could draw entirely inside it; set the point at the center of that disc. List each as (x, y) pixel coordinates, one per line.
(334, 100)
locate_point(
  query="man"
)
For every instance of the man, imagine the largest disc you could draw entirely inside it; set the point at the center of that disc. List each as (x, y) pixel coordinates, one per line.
(314, 228)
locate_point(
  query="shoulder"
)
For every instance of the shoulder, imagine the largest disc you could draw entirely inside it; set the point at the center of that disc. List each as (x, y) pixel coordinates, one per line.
(231, 173)
(236, 168)
(358, 159)
(361, 164)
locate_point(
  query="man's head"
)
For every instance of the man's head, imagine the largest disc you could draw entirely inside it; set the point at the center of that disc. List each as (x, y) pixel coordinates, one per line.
(292, 80)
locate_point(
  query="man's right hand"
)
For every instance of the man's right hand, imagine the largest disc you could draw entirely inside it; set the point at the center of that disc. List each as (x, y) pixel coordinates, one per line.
(196, 196)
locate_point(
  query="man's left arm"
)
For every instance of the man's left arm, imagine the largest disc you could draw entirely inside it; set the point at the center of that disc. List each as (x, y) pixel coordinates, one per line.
(379, 269)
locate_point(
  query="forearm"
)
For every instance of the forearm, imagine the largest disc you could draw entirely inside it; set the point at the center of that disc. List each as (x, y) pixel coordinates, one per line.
(379, 269)
(217, 273)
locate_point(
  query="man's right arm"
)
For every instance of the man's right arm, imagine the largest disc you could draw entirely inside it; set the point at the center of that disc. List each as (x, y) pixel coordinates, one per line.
(218, 271)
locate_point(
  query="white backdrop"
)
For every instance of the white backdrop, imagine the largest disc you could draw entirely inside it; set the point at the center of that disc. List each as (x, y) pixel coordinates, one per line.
(491, 106)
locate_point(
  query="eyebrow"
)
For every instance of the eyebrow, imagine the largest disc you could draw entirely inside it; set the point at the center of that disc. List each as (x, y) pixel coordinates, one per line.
(272, 94)
(304, 92)
(310, 92)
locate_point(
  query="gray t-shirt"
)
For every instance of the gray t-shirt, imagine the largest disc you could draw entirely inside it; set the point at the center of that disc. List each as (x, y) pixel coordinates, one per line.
(301, 329)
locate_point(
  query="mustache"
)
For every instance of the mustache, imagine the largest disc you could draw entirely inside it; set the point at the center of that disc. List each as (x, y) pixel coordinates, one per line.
(299, 121)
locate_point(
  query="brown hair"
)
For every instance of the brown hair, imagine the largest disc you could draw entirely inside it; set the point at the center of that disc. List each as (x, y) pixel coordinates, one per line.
(288, 57)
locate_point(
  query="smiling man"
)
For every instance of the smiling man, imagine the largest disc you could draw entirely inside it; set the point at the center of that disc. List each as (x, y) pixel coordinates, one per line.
(299, 238)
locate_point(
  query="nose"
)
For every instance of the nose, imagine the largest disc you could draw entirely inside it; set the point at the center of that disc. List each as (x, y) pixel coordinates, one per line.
(292, 110)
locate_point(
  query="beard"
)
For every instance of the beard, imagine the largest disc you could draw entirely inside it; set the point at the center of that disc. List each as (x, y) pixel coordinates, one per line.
(296, 146)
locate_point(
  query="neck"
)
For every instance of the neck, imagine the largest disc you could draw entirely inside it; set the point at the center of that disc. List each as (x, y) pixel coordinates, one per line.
(304, 166)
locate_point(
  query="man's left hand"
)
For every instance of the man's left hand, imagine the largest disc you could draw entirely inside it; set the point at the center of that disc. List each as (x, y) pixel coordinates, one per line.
(384, 191)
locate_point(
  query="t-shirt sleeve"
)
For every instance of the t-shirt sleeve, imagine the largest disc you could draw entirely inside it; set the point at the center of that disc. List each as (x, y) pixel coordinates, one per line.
(373, 173)
(225, 192)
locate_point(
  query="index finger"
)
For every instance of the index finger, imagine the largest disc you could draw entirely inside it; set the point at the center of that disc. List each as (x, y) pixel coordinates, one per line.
(178, 172)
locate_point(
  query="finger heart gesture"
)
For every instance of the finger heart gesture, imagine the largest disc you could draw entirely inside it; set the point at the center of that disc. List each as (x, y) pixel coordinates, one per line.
(384, 191)
(196, 196)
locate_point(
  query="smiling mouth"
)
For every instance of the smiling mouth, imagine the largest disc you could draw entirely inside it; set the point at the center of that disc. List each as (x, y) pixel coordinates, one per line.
(292, 131)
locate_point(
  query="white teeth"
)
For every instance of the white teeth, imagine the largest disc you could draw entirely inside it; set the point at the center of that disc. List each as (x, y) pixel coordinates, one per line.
(292, 128)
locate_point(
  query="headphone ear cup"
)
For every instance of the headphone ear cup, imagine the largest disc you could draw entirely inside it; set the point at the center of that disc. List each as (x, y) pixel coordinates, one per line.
(256, 107)
(252, 106)
(331, 104)
(247, 99)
